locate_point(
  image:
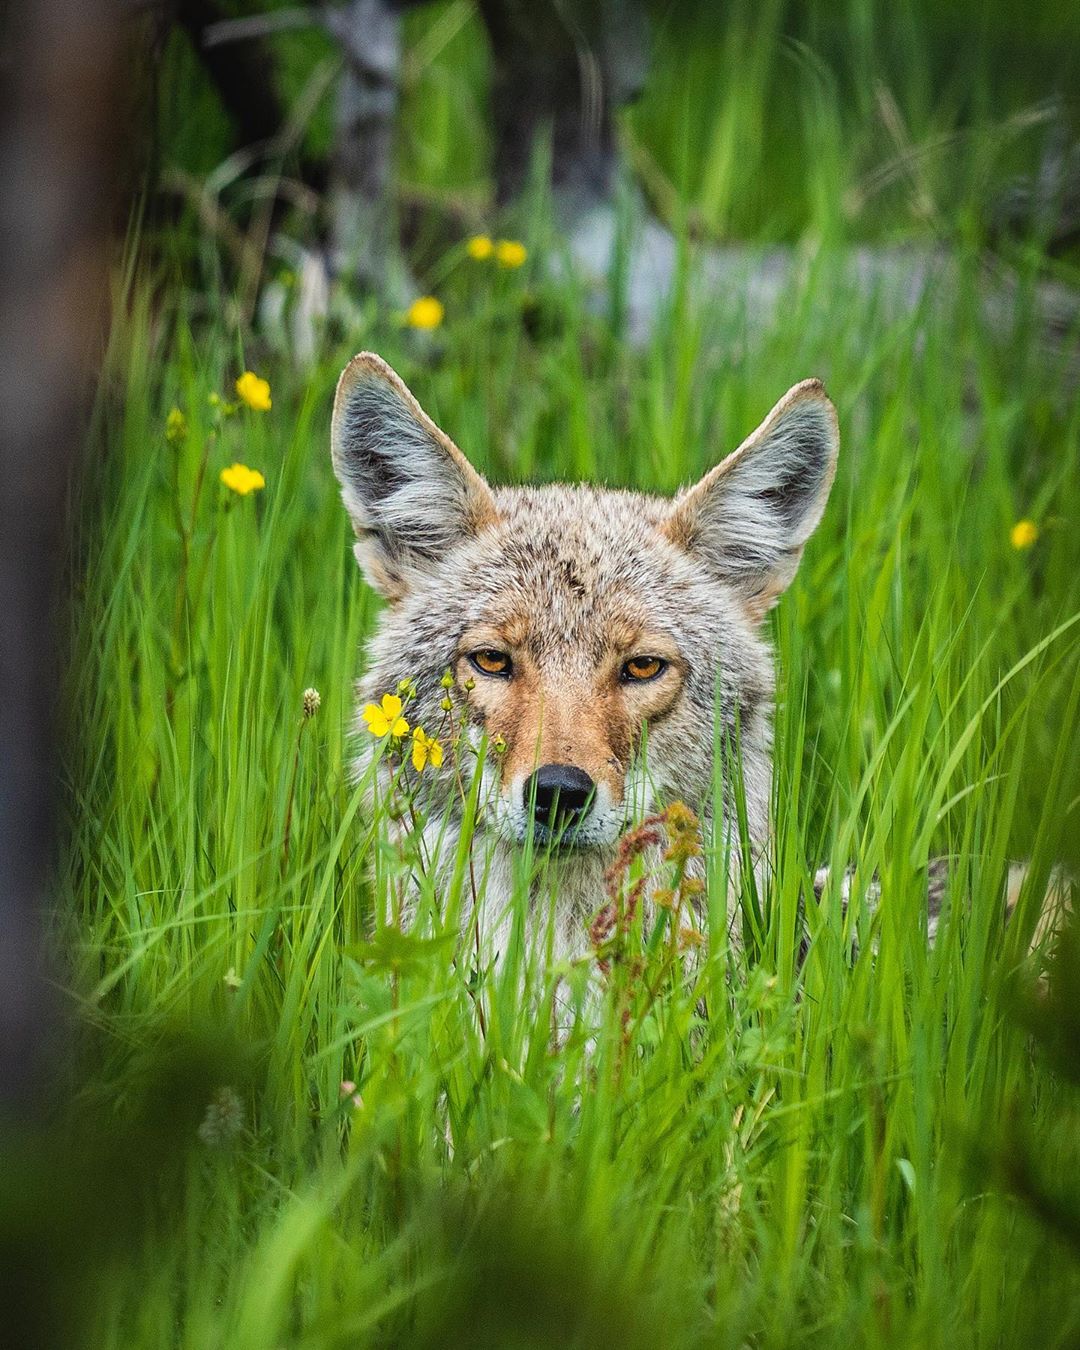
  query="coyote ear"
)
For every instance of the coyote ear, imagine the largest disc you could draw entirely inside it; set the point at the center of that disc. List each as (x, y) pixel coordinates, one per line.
(410, 491)
(751, 515)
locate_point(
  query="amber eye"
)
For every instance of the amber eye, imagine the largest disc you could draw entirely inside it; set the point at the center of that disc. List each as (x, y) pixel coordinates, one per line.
(488, 661)
(644, 668)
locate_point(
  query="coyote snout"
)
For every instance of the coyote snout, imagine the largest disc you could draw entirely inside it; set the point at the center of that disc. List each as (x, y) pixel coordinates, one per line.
(559, 798)
(568, 705)
(562, 806)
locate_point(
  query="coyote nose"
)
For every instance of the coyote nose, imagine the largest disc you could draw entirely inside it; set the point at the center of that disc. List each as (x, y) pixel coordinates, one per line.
(559, 795)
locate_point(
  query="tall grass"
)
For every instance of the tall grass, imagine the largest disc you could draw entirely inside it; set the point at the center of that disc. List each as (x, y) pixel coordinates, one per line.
(771, 120)
(778, 1149)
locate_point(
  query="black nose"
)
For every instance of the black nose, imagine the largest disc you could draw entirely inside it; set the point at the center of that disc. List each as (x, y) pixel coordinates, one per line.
(559, 795)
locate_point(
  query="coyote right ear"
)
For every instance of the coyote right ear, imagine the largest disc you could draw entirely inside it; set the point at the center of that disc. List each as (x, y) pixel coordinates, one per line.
(749, 517)
(410, 491)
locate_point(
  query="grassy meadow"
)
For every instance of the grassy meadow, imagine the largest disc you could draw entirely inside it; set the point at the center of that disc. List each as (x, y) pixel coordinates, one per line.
(304, 1129)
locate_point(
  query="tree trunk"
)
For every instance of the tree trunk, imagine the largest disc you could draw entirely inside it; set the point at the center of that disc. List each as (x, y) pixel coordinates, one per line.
(57, 142)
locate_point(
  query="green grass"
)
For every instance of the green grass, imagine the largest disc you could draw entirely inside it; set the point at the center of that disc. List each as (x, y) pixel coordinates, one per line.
(782, 1154)
(867, 1150)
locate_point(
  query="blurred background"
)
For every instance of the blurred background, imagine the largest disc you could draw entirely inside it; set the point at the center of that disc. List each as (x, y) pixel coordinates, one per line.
(314, 143)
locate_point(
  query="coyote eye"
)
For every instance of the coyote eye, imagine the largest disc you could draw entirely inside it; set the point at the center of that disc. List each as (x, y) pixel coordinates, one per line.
(643, 668)
(488, 661)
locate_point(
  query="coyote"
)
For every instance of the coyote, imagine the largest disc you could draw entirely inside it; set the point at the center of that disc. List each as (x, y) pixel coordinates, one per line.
(578, 623)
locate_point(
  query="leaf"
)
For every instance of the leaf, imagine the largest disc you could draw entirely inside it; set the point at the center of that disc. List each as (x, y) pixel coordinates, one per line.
(399, 952)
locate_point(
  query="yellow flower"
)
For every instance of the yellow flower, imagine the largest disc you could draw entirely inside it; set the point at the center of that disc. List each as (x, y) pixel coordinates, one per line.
(176, 428)
(385, 719)
(510, 253)
(254, 392)
(1023, 534)
(480, 247)
(425, 749)
(242, 480)
(427, 312)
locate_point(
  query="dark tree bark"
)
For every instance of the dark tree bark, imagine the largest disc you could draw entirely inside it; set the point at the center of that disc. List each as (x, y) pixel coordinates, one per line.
(562, 68)
(57, 141)
(240, 64)
(242, 73)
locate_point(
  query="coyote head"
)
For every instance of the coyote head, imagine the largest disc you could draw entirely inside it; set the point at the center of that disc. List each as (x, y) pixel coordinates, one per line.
(609, 639)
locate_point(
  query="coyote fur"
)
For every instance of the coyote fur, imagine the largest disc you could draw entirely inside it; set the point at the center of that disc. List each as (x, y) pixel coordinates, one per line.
(575, 620)
(579, 626)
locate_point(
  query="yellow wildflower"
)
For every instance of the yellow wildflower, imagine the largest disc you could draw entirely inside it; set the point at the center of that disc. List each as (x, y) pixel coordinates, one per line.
(176, 428)
(510, 253)
(426, 312)
(1023, 534)
(384, 718)
(480, 247)
(425, 750)
(254, 391)
(242, 480)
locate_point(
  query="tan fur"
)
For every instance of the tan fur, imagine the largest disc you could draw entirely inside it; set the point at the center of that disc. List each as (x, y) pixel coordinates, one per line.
(1055, 908)
(588, 718)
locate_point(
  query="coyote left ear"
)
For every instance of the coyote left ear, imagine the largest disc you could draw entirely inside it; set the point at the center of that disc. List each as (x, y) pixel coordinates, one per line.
(411, 493)
(751, 515)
